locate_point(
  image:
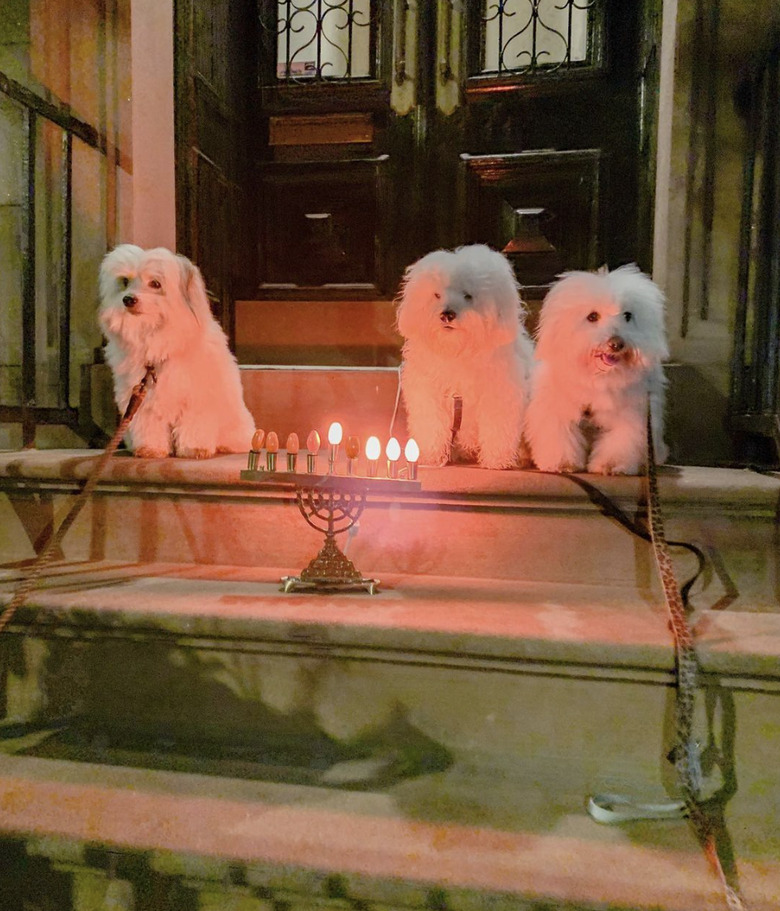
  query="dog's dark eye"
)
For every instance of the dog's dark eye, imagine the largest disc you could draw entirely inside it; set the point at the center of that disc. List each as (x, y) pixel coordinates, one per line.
(628, 316)
(154, 283)
(594, 316)
(437, 295)
(124, 281)
(467, 297)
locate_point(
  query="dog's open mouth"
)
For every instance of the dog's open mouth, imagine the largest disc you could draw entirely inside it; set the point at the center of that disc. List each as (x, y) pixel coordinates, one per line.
(606, 359)
(610, 358)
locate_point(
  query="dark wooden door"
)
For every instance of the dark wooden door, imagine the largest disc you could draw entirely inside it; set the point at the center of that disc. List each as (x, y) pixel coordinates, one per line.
(215, 85)
(382, 130)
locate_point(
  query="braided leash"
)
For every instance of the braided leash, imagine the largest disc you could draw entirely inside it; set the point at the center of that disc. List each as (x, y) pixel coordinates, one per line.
(46, 555)
(686, 753)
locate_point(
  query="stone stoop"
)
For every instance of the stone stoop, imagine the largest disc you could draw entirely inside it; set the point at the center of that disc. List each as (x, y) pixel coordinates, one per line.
(172, 720)
(437, 742)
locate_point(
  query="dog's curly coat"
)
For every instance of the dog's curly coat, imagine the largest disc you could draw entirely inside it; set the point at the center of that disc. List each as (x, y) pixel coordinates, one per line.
(461, 316)
(154, 311)
(599, 348)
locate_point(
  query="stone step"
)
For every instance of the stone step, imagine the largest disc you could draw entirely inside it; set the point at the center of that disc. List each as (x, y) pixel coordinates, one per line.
(256, 845)
(423, 692)
(463, 522)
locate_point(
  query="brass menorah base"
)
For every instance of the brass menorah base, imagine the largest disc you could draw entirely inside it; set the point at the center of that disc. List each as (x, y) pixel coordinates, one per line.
(330, 570)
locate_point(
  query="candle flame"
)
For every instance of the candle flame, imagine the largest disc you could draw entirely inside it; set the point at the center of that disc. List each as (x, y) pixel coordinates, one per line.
(313, 442)
(373, 448)
(411, 450)
(292, 444)
(257, 440)
(335, 433)
(393, 449)
(272, 442)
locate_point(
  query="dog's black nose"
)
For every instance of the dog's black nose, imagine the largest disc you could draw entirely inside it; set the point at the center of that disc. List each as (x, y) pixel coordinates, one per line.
(616, 343)
(129, 300)
(447, 316)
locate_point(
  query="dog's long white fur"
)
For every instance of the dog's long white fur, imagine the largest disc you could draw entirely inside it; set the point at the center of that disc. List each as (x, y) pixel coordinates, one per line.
(195, 408)
(479, 351)
(599, 351)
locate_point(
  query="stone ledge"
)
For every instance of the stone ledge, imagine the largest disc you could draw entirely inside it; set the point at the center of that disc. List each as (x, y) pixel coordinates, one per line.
(517, 627)
(288, 837)
(721, 489)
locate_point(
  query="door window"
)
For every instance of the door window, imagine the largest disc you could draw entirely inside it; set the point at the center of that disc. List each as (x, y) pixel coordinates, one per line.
(522, 36)
(325, 40)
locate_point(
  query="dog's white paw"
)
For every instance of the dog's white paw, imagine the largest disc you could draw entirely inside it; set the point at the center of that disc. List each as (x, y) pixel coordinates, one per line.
(613, 466)
(195, 453)
(149, 452)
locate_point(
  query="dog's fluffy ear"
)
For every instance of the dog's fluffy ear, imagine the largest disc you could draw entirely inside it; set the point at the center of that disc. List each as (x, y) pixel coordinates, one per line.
(639, 293)
(414, 297)
(193, 290)
(554, 332)
(122, 260)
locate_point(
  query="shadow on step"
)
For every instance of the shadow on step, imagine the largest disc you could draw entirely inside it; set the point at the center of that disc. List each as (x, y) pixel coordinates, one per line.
(290, 750)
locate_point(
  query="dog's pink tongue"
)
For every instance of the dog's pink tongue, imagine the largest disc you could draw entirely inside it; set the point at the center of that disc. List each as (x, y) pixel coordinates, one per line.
(610, 359)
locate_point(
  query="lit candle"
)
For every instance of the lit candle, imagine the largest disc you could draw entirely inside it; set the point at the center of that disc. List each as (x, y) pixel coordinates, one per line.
(271, 448)
(334, 438)
(254, 449)
(292, 451)
(393, 453)
(412, 454)
(352, 450)
(313, 445)
(373, 450)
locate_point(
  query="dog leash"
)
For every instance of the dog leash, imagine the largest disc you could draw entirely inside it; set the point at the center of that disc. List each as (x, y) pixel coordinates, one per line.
(614, 808)
(46, 555)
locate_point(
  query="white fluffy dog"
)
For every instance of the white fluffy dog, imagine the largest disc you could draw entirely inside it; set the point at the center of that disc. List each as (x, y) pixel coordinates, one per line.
(154, 311)
(461, 316)
(599, 349)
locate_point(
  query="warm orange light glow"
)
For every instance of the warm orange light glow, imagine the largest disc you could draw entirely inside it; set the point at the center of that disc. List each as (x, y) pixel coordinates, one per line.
(393, 449)
(352, 449)
(373, 448)
(257, 440)
(335, 433)
(313, 442)
(272, 442)
(292, 443)
(411, 450)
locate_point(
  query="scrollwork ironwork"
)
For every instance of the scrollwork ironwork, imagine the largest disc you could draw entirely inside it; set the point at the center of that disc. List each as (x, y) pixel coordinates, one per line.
(317, 40)
(544, 38)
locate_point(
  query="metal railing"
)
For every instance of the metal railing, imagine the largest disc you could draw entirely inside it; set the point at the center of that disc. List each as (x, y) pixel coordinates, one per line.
(755, 381)
(28, 409)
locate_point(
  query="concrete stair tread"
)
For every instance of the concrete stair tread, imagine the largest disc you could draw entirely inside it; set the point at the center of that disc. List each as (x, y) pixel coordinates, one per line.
(382, 845)
(542, 628)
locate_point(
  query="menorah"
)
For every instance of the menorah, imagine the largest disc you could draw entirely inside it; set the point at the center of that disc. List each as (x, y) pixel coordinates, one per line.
(331, 504)
(333, 512)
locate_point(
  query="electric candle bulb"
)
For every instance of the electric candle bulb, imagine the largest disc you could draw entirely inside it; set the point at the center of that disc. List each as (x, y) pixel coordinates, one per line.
(352, 450)
(335, 434)
(313, 445)
(254, 449)
(271, 448)
(393, 453)
(412, 454)
(292, 448)
(373, 449)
